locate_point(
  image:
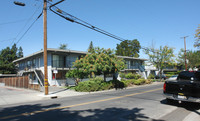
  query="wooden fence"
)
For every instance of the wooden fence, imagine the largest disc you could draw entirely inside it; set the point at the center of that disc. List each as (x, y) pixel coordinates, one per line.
(19, 82)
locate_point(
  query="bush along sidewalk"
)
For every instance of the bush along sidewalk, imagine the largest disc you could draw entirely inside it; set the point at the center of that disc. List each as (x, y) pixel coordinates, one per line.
(98, 84)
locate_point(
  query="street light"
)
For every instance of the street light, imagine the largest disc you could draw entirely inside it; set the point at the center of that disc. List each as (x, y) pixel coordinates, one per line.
(19, 3)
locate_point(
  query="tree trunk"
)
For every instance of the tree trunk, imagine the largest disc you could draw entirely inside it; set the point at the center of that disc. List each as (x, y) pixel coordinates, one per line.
(77, 81)
(114, 77)
(104, 77)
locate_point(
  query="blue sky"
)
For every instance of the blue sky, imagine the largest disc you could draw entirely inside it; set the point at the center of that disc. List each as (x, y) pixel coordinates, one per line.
(157, 22)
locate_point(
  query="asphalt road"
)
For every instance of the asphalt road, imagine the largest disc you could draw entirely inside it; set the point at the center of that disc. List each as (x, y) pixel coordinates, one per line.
(141, 103)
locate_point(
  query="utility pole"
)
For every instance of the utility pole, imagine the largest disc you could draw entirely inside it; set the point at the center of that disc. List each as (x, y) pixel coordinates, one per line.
(45, 48)
(185, 52)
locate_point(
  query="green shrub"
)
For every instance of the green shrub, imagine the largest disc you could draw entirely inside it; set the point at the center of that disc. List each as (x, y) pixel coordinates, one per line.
(94, 84)
(98, 84)
(148, 81)
(122, 75)
(156, 80)
(97, 79)
(117, 84)
(132, 76)
(151, 76)
(137, 76)
(128, 82)
(106, 86)
(129, 76)
(139, 81)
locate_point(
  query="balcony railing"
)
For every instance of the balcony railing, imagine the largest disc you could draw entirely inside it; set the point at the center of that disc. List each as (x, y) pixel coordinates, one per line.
(62, 64)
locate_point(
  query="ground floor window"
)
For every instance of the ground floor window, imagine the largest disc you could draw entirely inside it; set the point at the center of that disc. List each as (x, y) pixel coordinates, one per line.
(59, 75)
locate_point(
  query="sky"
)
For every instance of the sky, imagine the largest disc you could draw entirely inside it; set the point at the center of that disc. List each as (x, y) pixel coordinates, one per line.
(151, 22)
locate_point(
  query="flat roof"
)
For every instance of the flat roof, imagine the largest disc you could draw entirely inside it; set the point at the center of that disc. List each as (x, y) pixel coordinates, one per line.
(7, 75)
(70, 51)
(50, 50)
(128, 57)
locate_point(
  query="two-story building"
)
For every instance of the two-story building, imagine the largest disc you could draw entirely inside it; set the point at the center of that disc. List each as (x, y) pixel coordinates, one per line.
(59, 62)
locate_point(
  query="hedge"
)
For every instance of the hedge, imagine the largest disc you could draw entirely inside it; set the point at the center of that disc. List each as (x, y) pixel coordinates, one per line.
(98, 84)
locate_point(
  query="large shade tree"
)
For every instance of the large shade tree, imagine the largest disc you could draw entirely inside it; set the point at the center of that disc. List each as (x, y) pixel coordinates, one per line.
(100, 61)
(128, 48)
(91, 47)
(197, 36)
(7, 56)
(161, 58)
(193, 59)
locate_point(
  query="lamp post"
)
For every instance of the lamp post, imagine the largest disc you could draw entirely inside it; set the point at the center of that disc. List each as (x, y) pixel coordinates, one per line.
(45, 42)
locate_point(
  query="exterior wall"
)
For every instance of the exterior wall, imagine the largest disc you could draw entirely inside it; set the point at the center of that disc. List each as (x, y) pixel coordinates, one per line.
(62, 62)
(150, 69)
(135, 64)
(31, 63)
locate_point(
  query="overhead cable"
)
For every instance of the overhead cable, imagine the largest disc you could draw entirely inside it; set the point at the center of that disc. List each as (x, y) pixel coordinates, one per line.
(29, 28)
(74, 19)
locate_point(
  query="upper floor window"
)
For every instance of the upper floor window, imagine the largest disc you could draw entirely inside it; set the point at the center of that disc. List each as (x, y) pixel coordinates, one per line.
(132, 63)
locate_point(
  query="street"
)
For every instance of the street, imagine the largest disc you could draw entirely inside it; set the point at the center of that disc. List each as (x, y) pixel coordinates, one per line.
(139, 103)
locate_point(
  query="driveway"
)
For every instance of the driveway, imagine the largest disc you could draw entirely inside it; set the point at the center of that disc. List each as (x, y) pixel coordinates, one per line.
(10, 95)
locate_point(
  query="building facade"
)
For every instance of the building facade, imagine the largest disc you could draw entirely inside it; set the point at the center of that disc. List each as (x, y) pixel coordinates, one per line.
(59, 62)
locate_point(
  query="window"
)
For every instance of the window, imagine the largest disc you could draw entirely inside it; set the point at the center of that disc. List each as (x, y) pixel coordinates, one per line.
(132, 63)
(69, 60)
(58, 61)
(55, 61)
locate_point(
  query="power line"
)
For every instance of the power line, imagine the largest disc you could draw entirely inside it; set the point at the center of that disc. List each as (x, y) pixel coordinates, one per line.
(29, 28)
(27, 23)
(12, 22)
(7, 39)
(74, 19)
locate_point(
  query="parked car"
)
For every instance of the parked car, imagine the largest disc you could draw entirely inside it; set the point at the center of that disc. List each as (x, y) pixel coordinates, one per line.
(185, 88)
(174, 77)
(162, 77)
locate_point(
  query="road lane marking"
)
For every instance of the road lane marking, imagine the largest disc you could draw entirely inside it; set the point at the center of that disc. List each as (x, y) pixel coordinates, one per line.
(76, 105)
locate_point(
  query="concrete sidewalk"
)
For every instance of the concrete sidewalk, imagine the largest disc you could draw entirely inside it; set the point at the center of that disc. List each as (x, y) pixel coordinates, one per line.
(11, 95)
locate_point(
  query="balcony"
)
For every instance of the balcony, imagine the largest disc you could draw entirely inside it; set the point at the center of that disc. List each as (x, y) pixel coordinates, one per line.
(62, 64)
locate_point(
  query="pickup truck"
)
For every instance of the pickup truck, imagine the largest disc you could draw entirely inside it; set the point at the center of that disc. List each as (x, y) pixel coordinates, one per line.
(185, 88)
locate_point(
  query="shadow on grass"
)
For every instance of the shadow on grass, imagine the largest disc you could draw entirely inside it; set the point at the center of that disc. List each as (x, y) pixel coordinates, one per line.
(187, 105)
(51, 113)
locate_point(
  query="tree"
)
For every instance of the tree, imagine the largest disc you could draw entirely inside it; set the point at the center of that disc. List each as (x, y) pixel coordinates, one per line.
(161, 58)
(197, 35)
(193, 58)
(7, 56)
(100, 61)
(20, 53)
(63, 46)
(181, 59)
(91, 47)
(128, 48)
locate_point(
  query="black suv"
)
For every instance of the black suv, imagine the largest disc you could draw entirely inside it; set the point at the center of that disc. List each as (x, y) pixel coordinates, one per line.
(189, 75)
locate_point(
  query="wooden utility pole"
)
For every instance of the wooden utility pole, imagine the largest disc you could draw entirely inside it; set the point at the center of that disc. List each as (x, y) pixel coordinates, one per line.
(185, 52)
(45, 48)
